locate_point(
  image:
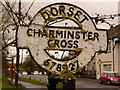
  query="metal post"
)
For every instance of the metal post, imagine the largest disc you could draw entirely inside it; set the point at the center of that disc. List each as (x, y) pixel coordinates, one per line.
(19, 11)
(17, 58)
(17, 68)
(12, 70)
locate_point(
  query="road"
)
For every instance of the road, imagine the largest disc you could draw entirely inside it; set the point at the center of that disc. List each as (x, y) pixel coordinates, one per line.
(92, 83)
(80, 82)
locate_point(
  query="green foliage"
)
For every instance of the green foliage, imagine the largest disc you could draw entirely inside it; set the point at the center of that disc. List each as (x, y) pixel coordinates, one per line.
(32, 81)
(29, 65)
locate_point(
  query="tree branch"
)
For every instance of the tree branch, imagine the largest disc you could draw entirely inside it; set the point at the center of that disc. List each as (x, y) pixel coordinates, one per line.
(102, 18)
(26, 14)
(9, 13)
(13, 42)
(29, 8)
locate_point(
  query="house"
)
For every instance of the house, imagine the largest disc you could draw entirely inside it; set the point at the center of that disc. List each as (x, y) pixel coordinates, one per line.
(110, 61)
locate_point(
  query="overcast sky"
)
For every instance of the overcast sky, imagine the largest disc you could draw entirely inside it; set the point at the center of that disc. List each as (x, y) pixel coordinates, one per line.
(72, 0)
(103, 7)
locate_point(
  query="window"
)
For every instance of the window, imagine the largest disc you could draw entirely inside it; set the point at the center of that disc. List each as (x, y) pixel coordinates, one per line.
(107, 67)
(117, 75)
(111, 74)
(104, 74)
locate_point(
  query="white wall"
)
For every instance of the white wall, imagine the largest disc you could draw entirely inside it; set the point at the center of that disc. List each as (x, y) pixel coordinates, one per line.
(107, 58)
(101, 60)
(119, 58)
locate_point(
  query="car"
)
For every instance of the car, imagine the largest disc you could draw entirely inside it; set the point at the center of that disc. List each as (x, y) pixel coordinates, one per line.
(24, 73)
(110, 78)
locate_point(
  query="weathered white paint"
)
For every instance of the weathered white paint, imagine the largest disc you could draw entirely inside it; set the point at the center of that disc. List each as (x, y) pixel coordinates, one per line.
(36, 45)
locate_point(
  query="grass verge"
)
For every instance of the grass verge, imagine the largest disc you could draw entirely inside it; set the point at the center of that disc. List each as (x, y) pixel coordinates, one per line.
(32, 81)
(7, 84)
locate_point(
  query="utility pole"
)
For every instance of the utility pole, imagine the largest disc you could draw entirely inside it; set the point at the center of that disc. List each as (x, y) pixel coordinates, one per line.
(17, 58)
(17, 68)
(12, 70)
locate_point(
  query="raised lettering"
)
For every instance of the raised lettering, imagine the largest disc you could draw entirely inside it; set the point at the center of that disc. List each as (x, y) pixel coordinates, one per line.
(70, 13)
(45, 15)
(54, 11)
(77, 15)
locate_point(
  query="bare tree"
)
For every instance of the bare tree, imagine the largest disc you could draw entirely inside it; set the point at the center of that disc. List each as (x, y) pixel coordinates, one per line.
(12, 16)
(103, 18)
(5, 23)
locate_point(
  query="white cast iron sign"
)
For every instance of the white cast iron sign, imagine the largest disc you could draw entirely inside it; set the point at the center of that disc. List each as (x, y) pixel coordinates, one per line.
(52, 45)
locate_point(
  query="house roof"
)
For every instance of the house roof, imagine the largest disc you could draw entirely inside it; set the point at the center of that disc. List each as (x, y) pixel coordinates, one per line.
(114, 32)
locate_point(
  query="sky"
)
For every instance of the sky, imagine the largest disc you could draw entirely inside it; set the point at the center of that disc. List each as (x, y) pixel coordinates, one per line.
(72, 0)
(102, 7)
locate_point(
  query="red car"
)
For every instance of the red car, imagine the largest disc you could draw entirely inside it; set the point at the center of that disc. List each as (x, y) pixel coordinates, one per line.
(110, 78)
